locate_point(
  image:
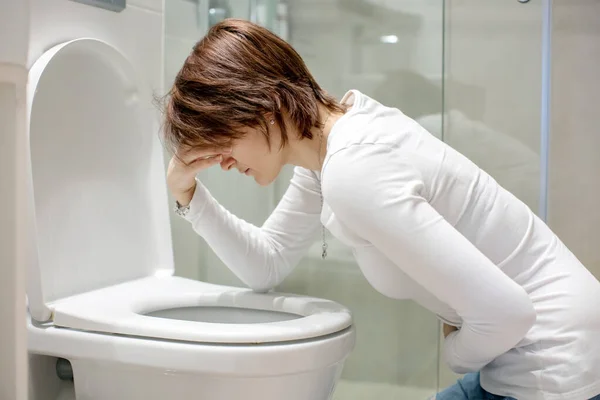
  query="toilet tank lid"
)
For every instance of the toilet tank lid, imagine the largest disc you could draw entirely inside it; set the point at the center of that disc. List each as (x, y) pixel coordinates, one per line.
(96, 193)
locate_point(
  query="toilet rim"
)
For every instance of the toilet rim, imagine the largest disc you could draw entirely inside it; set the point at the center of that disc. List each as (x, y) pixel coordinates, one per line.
(187, 357)
(122, 309)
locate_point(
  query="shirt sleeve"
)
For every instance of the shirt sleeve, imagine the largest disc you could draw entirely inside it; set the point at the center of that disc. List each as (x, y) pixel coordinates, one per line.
(261, 256)
(377, 194)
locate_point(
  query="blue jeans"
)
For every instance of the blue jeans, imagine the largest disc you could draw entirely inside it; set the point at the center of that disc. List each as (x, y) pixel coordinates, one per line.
(469, 388)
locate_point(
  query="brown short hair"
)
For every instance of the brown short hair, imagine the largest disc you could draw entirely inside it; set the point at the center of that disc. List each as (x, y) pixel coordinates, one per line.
(235, 75)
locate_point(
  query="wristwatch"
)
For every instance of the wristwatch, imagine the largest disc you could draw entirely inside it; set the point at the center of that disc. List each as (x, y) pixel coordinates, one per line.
(180, 210)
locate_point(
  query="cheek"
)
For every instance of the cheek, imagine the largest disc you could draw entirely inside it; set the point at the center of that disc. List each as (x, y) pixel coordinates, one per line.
(254, 152)
(242, 154)
(257, 157)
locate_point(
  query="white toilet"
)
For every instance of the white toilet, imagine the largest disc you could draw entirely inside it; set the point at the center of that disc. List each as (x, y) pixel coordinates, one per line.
(102, 297)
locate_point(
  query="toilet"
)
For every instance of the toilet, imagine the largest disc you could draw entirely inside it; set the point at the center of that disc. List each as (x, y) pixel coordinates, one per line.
(103, 301)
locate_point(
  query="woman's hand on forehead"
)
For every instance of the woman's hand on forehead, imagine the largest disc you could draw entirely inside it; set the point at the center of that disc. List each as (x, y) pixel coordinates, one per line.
(189, 156)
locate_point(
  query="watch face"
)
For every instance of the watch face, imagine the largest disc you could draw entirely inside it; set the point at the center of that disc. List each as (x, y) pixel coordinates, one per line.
(180, 210)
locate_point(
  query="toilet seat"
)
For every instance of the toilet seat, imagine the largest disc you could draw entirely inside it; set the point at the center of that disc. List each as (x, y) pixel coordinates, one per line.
(124, 308)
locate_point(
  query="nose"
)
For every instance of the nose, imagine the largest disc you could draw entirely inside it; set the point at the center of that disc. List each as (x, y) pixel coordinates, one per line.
(241, 168)
(230, 162)
(227, 163)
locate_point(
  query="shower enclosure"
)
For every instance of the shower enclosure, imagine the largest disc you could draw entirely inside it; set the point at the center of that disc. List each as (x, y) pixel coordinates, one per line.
(478, 75)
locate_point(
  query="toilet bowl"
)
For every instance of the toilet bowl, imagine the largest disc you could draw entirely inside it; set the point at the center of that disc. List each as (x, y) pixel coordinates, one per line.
(102, 294)
(169, 337)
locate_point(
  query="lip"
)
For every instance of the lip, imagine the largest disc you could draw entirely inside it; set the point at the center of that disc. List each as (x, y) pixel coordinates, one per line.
(247, 171)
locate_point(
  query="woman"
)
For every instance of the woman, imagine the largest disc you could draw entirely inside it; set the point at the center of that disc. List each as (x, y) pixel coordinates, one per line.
(424, 222)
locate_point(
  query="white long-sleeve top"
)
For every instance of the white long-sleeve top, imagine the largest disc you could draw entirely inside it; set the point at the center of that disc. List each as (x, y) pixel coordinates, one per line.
(426, 224)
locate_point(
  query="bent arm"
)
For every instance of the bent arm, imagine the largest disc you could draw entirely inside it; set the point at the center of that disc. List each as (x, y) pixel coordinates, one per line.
(378, 195)
(261, 256)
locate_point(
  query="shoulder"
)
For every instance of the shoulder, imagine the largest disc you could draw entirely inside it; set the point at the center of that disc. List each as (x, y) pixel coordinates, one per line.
(369, 173)
(305, 179)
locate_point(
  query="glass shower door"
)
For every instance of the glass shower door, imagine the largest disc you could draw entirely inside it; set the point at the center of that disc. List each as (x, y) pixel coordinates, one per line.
(493, 109)
(392, 51)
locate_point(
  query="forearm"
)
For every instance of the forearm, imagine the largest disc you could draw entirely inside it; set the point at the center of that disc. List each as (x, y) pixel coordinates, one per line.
(260, 256)
(476, 344)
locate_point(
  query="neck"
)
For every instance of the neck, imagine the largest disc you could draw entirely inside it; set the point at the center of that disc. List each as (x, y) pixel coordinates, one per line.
(310, 153)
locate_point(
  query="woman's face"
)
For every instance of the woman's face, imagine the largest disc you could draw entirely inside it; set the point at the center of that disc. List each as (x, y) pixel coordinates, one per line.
(252, 156)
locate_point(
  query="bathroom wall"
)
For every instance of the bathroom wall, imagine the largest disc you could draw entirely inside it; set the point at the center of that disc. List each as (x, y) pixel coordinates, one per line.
(391, 50)
(574, 183)
(12, 284)
(14, 37)
(494, 48)
(492, 97)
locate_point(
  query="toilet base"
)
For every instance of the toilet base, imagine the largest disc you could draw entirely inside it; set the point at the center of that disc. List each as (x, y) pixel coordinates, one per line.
(101, 381)
(120, 367)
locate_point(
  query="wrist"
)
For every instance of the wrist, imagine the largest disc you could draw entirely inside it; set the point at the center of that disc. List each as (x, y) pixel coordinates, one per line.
(448, 329)
(185, 198)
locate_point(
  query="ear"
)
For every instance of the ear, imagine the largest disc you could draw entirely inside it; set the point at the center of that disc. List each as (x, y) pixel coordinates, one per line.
(270, 119)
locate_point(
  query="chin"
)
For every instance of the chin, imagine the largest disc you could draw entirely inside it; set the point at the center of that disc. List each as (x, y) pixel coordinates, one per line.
(262, 181)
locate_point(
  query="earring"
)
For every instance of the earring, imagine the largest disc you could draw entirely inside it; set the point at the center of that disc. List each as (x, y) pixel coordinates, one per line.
(272, 122)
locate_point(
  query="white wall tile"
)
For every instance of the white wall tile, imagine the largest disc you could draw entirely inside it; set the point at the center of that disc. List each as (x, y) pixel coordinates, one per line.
(176, 51)
(154, 5)
(574, 186)
(182, 19)
(137, 33)
(495, 100)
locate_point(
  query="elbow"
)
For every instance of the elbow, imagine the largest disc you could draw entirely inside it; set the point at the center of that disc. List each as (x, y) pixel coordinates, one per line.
(261, 287)
(270, 279)
(514, 321)
(521, 315)
(475, 345)
(457, 364)
(523, 318)
(275, 270)
(267, 274)
(510, 321)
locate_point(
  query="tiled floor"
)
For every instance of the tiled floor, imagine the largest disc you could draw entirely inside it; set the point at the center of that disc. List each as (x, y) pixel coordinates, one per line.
(353, 390)
(346, 390)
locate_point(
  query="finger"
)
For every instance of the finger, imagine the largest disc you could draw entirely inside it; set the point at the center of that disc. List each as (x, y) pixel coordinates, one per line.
(203, 163)
(191, 155)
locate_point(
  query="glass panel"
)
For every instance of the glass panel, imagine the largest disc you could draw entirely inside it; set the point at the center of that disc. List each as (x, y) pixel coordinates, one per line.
(493, 90)
(493, 94)
(390, 50)
(574, 187)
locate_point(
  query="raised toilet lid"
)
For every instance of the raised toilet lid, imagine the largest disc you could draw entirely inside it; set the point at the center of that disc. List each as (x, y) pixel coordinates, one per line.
(101, 206)
(100, 218)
